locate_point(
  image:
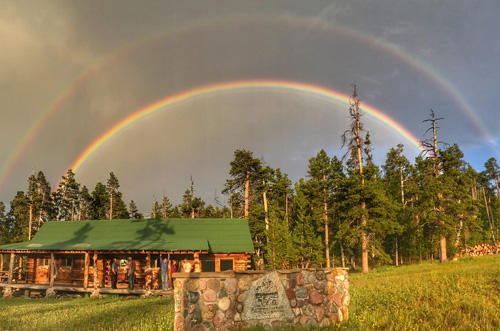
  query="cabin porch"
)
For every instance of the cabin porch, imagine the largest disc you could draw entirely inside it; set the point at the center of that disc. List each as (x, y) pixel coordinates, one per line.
(21, 288)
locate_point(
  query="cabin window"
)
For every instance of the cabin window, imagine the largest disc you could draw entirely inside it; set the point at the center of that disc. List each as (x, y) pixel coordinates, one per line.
(43, 262)
(208, 265)
(123, 263)
(66, 262)
(226, 265)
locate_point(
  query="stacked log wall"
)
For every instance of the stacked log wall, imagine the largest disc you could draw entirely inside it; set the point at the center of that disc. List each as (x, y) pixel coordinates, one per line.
(478, 250)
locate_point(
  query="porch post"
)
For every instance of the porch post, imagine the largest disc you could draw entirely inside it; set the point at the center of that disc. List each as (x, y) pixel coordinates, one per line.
(86, 270)
(1, 262)
(11, 268)
(52, 261)
(96, 272)
(20, 272)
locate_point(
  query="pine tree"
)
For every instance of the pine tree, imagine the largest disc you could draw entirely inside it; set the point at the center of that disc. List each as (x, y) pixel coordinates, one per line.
(492, 173)
(66, 197)
(134, 211)
(307, 243)
(84, 204)
(18, 218)
(321, 183)
(156, 210)
(460, 210)
(4, 229)
(113, 195)
(397, 172)
(40, 202)
(244, 172)
(431, 145)
(100, 202)
(279, 248)
(166, 208)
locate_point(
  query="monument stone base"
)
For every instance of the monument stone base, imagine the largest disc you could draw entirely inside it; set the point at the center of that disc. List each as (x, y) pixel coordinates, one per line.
(276, 299)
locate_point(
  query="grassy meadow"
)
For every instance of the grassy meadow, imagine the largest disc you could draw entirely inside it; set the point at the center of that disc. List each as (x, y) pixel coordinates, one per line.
(459, 295)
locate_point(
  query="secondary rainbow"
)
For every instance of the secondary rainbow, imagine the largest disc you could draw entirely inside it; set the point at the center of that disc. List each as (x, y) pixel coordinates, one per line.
(237, 85)
(191, 27)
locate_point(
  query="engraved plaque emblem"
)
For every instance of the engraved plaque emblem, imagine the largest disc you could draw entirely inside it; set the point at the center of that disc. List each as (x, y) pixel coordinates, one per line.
(266, 299)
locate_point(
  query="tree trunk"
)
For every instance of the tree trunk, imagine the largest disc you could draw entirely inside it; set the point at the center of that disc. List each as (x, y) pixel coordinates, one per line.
(364, 235)
(364, 246)
(31, 221)
(111, 206)
(459, 232)
(264, 197)
(247, 193)
(402, 186)
(342, 256)
(498, 188)
(286, 208)
(489, 219)
(442, 250)
(397, 252)
(327, 244)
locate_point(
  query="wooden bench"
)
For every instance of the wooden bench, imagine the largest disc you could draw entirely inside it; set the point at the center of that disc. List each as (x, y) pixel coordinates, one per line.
(4, 275)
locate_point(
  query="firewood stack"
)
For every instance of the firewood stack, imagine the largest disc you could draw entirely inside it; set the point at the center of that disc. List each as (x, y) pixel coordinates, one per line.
(478, 250)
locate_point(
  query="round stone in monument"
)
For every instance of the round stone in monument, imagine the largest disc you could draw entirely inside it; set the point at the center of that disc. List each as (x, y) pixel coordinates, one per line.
(301, 292)
(208, 311)
(222, 293)
(224, 303)
(213, 284)
(241, 297)
(193, 297)
(310, 278)
(209, 295)
(316, 298)
(192, 285)
(231, 285)
(219, 319)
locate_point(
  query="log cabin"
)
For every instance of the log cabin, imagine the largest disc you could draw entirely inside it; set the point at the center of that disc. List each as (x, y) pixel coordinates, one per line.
(79, 254)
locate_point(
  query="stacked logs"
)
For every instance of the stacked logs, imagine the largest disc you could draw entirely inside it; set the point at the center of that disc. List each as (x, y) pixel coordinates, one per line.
(478, 250)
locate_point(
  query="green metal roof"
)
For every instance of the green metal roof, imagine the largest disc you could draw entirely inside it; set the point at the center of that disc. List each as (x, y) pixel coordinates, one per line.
(215, 235)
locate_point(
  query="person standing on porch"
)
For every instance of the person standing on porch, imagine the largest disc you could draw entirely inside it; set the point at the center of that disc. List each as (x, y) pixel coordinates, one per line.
(186, 266)
(131, 272)
(164, 272)
(173, 269)
(114, 273)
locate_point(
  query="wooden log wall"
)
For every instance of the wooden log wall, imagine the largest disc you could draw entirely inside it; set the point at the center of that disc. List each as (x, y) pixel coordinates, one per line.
(74, 274)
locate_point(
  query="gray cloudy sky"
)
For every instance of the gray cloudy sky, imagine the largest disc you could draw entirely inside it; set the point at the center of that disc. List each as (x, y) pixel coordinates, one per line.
(70, 70)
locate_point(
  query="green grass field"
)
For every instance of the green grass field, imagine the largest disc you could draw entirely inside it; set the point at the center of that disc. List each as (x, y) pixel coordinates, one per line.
(460, 295)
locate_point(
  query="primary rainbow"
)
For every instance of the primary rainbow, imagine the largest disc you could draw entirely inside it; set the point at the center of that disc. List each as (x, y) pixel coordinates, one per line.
(237, 85)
